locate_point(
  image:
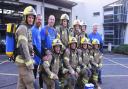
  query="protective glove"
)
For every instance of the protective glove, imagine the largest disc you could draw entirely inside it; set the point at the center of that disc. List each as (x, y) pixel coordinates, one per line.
(97, 65)
(53, 76)
(78, 69)
(100, 65)
(65, 71)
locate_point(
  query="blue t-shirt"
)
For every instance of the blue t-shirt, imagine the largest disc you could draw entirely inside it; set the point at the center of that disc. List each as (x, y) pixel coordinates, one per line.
(95, 36)
(36, 40)
(48, 38)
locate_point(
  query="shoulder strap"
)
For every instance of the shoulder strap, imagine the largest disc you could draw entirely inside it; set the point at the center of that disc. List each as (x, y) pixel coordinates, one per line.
(52, 62)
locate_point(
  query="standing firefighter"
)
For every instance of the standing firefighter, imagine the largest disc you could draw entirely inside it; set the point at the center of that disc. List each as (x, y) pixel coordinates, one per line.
(52, 65)
(85, 73)
(83, 29)
(77, 30)
(96, 62)
(25, 50)
(63, 29)
(71, 61)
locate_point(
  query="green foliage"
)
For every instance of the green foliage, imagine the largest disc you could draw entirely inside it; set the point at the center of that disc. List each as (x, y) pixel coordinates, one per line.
(122, 49)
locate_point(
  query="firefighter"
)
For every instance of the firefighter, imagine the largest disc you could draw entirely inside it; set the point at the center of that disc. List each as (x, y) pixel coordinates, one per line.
(63, 29)
(77, 30)
(85, 72)
(72, 61)
(83, 29)
(96, 62)
(24, 60)
(51, 66)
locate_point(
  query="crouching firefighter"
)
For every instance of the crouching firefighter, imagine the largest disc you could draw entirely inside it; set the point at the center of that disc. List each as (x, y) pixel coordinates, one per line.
(50, 67)
(24, 47)
(71, 63)
(96, 62)
(85, 72)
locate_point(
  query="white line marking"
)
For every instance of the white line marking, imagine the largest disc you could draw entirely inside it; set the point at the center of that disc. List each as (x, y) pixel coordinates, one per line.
(119, 58)
(105, 76)
(116, 62)
(109, 64)
(4, 62)
(7, 74)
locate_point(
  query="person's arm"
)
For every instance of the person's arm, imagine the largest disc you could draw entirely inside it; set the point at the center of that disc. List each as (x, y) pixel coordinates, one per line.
(46, 65)
(35, 41)
(42, 34)
(23, 45)
(66, 61)
(101, 43)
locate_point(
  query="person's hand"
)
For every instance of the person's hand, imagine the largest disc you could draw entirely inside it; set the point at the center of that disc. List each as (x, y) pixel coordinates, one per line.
(53, 76)
(65, 71)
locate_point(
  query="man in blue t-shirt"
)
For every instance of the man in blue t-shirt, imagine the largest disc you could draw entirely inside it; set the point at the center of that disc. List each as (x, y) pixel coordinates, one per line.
(36, 41)
(48, 34)
(96, 35)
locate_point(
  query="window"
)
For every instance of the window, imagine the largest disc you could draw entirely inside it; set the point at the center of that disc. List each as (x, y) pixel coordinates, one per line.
(96, 13)
(108, 9)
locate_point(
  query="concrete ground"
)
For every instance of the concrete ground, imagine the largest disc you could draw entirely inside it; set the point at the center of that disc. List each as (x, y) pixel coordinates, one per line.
(114, 72)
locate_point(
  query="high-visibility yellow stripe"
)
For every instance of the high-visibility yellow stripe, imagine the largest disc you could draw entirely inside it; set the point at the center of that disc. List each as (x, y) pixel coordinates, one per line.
(29, 62)
(95, 78)
(47, 63)
(22, 37)
(9, 54)
(66, 58)
(9, 27)
(84, 80)
(19, 60)
(58, 36)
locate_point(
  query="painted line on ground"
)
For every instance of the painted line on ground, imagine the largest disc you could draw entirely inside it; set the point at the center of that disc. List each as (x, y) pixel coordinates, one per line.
(4, 62)
(119, 58)
(7, 74)
(106, 76)
(110, 64)
(116, 62)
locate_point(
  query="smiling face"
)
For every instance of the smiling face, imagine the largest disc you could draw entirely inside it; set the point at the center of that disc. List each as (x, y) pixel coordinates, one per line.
(30, 19)
(64, 23)
(38, 20)
(73, 45)
(84, 46)
(51, 20)
(83, 28)
(57, 49)
(96, 46)
(95, 27)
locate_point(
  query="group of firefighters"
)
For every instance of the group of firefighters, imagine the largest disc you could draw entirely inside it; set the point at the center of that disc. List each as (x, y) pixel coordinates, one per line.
(68, 59)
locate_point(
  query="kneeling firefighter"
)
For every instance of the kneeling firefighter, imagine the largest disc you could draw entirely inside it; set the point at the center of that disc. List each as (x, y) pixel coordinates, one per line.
(85, 72)
(51, 66)
(96, 62)
(72, 61)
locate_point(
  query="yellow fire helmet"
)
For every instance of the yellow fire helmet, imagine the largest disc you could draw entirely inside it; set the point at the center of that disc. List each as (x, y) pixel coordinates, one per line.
(84, 40)
(95, 41)
(76, 22)
(72, 40)
(64, 16)
(29, 11)
(56, 42)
